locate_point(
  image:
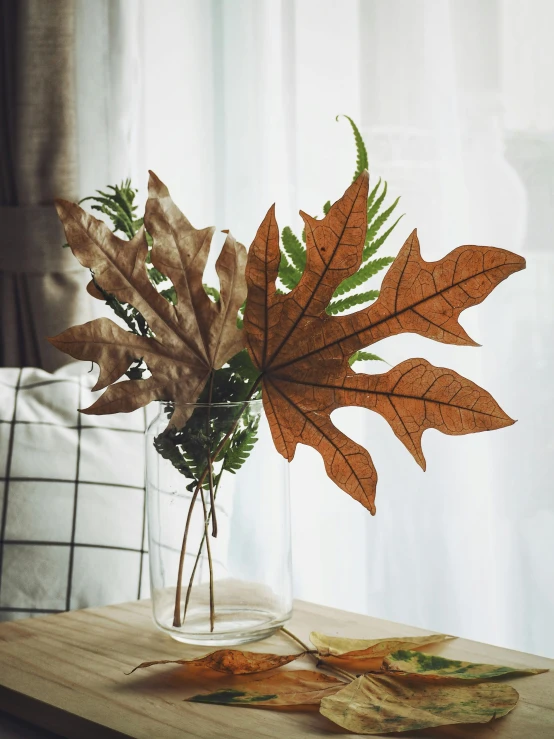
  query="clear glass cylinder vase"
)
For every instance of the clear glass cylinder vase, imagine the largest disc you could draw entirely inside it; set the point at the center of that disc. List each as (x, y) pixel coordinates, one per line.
(236, 586)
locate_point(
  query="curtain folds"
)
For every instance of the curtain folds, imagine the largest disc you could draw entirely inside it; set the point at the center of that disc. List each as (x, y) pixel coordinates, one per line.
(41, 285)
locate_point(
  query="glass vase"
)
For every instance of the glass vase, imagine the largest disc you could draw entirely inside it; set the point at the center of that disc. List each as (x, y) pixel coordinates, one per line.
(223, 579)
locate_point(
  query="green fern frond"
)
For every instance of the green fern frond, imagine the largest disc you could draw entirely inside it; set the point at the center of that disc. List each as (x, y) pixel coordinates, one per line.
(294, 249)
(362, 275)
(242, 365)
(362, 356)
(374, 226)
(374, 246)
(374, 209)
(373, 194)
(289, 276)
(170, 294)
(339, 306)
(239, 447)
(119, 206)
(361, 160)
(116, 214)
(212, 292)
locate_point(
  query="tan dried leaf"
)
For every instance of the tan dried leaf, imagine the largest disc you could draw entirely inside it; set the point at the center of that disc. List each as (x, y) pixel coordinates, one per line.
(190, 339)
(302, 352)
(365, 655)
(231, 661)
(379, 704)
(300, 689)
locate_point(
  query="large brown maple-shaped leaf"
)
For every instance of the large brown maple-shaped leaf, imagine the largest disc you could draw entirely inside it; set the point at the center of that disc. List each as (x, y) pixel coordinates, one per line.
(189, 339)
(302, 352)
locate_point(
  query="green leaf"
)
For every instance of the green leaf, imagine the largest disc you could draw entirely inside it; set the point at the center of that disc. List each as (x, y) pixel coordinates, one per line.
(362, 275)
(361, 356)
(237, 451)
(242, 366)
(212, 292)
(119, 206)
(170, 294)
(294, 250)
(373, 210)
(338, 306)
(433, 666)
(361, 160)
(327, 207)
(373, 194)
(289, 276)
(374, 227)
(374, 246)
(229, 696)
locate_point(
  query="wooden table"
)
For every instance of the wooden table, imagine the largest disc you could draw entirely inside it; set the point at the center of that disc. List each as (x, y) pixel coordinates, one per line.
(65, 673)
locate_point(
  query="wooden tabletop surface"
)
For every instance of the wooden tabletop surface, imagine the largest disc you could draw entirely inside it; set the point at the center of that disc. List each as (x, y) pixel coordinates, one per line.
(65, 673)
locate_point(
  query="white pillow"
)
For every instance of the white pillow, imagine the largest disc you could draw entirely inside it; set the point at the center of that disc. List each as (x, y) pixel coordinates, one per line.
(72, 497)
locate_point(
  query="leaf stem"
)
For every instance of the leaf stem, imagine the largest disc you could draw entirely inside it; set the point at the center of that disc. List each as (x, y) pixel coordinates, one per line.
(177, 609)
(210, 564)
(199, 552)
(295, 638)
(314, 655)
(210, 463)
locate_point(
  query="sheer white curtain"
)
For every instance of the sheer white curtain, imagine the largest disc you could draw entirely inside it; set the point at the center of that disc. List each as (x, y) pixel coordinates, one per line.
(233, 104)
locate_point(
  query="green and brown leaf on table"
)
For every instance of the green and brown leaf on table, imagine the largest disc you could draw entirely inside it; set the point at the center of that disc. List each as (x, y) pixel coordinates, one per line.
(392, 685)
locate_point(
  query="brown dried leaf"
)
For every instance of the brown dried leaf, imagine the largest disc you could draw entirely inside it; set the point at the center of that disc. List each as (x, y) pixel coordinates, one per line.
(231, 661)
(376, 704)
(302, 352)
(300, 689)
(365, 655)
(189, 339)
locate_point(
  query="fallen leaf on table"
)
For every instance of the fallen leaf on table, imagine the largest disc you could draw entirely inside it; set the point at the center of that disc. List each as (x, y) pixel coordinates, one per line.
(187, 340)
(303, 352)
(403, 689)
(378, 704)
(232, 661)
(433, 666)
(287, 689)
(365, 655)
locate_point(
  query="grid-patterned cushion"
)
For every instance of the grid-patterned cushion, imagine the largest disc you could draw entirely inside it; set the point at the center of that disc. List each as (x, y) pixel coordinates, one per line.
(72, 497)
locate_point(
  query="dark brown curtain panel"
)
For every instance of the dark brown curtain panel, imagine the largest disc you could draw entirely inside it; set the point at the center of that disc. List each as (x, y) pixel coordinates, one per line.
(41, 284)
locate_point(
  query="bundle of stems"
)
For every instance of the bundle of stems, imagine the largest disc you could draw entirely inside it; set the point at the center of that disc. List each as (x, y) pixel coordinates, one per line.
(208, 515)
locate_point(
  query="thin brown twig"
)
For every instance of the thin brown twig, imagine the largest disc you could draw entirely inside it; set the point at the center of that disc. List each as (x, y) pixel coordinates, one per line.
(177, 609)
(210, 463)
(210, 565)
(198, 554)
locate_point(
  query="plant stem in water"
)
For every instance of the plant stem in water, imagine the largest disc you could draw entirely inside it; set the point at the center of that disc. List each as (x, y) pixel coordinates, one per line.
(199, 552)
(177, 611)
(210, 565)
(210, 464)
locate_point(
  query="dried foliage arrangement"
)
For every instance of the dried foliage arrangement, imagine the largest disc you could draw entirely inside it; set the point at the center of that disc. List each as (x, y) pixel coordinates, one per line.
(276, 327)
(376, 686)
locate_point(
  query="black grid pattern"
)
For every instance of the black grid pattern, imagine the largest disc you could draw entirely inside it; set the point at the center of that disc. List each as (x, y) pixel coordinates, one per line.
(72, 497)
